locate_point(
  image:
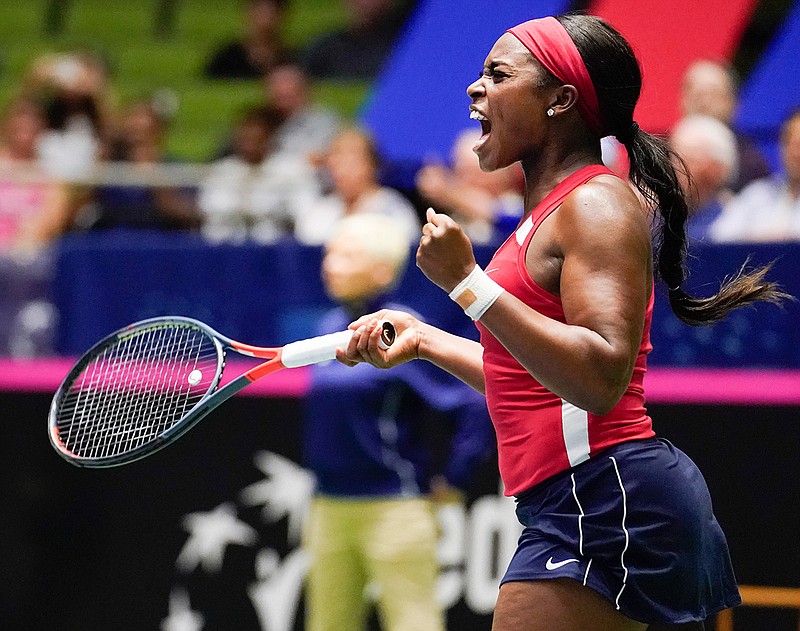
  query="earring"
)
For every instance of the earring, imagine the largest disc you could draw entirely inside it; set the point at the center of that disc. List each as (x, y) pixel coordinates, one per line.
(550, 111)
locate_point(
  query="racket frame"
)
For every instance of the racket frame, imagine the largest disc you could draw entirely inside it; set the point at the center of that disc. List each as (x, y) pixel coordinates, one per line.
(212, 399)
(296, 354)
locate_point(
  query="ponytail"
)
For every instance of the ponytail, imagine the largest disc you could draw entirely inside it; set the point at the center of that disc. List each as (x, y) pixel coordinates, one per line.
(617, 80)
(653, 173)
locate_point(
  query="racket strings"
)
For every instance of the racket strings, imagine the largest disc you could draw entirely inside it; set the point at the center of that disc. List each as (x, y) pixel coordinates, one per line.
(137, 389)
(104, 372)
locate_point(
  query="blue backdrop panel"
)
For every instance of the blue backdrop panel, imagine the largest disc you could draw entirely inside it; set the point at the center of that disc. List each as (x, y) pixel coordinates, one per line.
(273, 294)
(773, 88)
(106, 281)
(763, 335)
(419, 103)
(255, 294)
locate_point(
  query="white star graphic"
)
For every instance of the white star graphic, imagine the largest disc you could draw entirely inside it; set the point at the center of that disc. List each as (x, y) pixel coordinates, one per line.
(276, 593)
(209, 534)
(285, 491)
(181, 617)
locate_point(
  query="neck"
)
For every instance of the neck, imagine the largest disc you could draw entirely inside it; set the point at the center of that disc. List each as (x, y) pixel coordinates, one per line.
(357, 307)
(544, 174)
(794, 187)
(352, 199)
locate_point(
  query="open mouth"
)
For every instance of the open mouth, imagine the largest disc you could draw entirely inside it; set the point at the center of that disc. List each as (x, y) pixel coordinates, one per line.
(486, 126)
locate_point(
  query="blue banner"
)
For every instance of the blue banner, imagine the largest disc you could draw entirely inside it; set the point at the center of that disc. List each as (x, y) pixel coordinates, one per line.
(270, 295)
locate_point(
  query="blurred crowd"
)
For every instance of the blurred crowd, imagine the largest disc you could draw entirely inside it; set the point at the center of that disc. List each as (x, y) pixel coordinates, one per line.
(72, 159)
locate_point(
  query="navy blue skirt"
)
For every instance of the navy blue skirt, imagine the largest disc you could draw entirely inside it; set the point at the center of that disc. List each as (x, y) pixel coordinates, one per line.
(635, 524)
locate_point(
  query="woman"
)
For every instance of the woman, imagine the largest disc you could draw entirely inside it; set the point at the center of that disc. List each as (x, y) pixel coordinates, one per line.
(619, 532)
(29, 198)
(353, 165)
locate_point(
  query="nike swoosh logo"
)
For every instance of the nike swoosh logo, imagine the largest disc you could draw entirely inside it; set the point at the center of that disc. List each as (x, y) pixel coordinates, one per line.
(554, 566)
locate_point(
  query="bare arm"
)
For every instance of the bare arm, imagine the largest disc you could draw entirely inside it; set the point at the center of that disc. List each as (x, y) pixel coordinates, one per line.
(595, 253)
(461, 357)
(64, 203)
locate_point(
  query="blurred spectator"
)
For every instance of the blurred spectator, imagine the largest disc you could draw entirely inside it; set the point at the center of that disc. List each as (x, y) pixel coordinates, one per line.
(711, 88)
(767, 209)
(256, 193)
(260, 48)
(708, 149)
(359, 50)
(353, 165)
(135, 194)
(75, 93)
(28, 317)
(372, 519)
(488, 205)
(306, 127)
(28, 196)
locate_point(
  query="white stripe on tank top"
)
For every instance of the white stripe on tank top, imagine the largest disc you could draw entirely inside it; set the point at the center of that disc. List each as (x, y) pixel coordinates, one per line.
(575, 428)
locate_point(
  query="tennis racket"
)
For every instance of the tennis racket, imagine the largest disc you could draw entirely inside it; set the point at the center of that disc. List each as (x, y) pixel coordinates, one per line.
(142, 387)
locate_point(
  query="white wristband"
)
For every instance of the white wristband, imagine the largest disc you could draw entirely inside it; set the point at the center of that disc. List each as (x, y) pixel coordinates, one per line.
(476, 293)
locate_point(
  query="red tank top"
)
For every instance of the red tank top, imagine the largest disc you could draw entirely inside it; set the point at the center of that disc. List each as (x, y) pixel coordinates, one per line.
(538, 433)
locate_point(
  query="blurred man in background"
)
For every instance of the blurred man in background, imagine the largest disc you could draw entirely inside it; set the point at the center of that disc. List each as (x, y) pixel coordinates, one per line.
(708, 149)
(488, 205)
(768, 209)
(306, 127)
(256, 192)
(372, 521)
(358, 50)
(260, 48)
(353, 167)
(710, 88)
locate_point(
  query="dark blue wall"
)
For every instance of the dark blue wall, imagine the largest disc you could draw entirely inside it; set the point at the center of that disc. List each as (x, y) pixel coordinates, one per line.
(271, 295)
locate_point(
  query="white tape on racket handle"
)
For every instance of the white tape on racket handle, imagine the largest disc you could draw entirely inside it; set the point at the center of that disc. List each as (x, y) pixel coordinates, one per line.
(314, 350)
(323, 348)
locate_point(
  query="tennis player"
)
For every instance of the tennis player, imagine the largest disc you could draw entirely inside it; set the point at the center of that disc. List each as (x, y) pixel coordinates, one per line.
(619, 532)
(372, 519)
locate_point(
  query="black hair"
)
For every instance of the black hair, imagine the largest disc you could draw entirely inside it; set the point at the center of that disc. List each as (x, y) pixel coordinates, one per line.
(617, 79)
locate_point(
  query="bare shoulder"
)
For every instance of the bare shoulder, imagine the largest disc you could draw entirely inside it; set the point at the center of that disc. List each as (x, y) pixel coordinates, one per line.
(604, 198)
(604, 210)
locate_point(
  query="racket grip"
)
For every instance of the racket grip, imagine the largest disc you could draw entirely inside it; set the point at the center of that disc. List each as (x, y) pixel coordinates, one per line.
(323, 348)
(314, 350)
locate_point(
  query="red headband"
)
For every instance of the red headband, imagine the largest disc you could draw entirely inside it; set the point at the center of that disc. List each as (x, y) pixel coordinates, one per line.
(548, 41)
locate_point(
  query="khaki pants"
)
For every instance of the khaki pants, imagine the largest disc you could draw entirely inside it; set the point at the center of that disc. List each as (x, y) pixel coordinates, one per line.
(388, 544)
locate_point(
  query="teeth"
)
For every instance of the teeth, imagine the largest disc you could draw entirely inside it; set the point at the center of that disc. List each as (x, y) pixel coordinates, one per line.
(476, 115)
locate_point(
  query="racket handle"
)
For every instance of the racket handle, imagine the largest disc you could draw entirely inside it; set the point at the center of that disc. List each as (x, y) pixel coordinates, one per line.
(323, 348)
(314, 350)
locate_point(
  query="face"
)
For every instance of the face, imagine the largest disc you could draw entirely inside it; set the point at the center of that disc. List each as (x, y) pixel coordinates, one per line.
(22, 130)
(510, 104)
(790, 149)
(287, 89)
(141, 126)
(251, 142)
(368, 11)
(708, 90)
(263, 16)
(707, 173)
(350, 165)
(350, 273)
